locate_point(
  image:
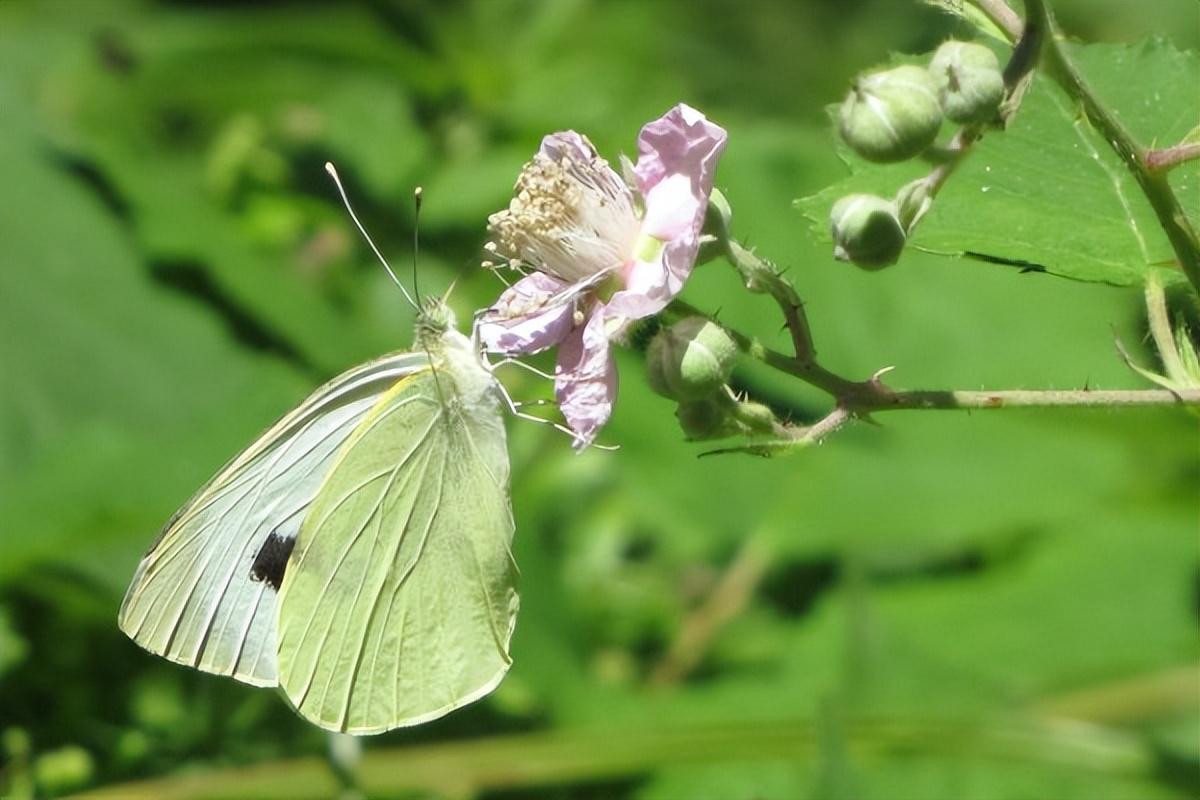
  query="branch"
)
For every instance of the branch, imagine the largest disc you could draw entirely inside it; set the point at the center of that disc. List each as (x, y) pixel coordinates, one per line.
(1021, 398)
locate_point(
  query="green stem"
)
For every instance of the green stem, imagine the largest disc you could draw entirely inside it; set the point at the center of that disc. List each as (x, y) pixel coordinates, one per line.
(1020, 398)
(857, 398)
(1166, 158)
(1160, 329)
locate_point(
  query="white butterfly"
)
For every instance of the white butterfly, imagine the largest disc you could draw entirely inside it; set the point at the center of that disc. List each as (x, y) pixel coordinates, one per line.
(357, 555)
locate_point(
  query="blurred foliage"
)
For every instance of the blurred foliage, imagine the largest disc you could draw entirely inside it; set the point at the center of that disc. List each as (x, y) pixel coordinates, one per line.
(984, 606)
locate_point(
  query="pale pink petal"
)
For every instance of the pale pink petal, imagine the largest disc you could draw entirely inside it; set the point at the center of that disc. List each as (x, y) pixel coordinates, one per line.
(681, 142)
(529, 316)
(567, 144)
(651, 285)
(678, 156)
(585, 381)
(672, 208)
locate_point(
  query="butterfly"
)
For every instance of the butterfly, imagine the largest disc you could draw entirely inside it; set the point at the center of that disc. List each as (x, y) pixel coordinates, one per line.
(356, 555)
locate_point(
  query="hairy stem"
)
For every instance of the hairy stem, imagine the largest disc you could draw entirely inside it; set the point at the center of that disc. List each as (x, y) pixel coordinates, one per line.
(1160, 329)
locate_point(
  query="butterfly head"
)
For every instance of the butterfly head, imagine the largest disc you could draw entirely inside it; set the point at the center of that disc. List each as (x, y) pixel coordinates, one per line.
(433, 320)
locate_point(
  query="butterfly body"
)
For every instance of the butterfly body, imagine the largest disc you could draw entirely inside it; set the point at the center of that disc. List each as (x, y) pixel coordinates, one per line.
(357, 554)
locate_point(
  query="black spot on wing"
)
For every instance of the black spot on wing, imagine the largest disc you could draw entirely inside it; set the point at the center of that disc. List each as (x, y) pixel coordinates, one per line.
(272, 560)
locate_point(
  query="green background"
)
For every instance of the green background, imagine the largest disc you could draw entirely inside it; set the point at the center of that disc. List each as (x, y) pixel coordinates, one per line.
(988, 605)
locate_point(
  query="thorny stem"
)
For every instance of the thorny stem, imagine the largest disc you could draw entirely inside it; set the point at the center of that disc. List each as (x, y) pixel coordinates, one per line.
(860, 398)
(1151, 177)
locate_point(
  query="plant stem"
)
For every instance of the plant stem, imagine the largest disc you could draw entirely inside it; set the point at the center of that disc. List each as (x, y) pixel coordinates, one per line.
(856, 398)
(1164, 159)
(1021, 398)
(1160, 329)
(1005, 18)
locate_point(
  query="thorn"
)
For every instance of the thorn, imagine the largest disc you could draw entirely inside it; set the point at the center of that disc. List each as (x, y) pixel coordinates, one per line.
(879, 373)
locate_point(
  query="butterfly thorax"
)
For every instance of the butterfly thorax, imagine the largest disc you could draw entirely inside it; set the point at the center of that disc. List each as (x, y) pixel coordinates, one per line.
(456, 359)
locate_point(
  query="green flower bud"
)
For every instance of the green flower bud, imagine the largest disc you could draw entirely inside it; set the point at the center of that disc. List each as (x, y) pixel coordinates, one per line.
(891, 115)
(969, 83)
(706, 419)
(866, 231)
(690, 360)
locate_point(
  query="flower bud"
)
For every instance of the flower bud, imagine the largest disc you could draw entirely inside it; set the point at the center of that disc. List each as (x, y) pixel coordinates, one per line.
(690, 360)
(969, 83)
(720, 415)
(705, 419)
(891, 115)
(866, 231)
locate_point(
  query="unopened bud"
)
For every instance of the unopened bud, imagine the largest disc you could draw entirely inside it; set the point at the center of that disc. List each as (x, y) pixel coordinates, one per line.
(969, 83)
(720, 415)
(705, 419)
(690, 360)
(866, 231)
(891, 115)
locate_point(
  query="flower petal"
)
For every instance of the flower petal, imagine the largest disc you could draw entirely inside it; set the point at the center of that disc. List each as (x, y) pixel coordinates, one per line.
(529, 316)
(651, 285)
(678, 156)
(567, 144)
(680, 143)
(586, 380)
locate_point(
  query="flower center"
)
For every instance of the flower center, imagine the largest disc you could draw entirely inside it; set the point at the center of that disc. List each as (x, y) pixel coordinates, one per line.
(571, 216)
(648, 248)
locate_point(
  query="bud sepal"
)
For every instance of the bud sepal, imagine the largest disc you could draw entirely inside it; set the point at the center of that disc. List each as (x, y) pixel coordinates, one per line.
(690, 360)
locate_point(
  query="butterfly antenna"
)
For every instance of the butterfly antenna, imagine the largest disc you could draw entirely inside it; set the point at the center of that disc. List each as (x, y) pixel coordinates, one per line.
(417, 194)
(337, 181)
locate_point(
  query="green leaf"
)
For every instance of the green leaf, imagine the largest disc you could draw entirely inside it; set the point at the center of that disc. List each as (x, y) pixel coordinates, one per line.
(1049, 192)
(119, 394)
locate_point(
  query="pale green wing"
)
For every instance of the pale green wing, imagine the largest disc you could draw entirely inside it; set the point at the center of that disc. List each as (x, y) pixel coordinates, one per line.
(400, 600)
(205, 593)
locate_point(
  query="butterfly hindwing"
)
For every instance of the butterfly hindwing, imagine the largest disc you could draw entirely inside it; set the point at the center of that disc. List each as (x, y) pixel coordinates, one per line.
(205, 593)
(400, 598)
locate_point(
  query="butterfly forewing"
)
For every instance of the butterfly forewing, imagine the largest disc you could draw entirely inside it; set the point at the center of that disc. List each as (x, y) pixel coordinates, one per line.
(205, 593)
(400, 600)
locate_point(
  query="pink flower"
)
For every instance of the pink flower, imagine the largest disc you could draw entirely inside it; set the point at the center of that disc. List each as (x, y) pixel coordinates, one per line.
(601, 256)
